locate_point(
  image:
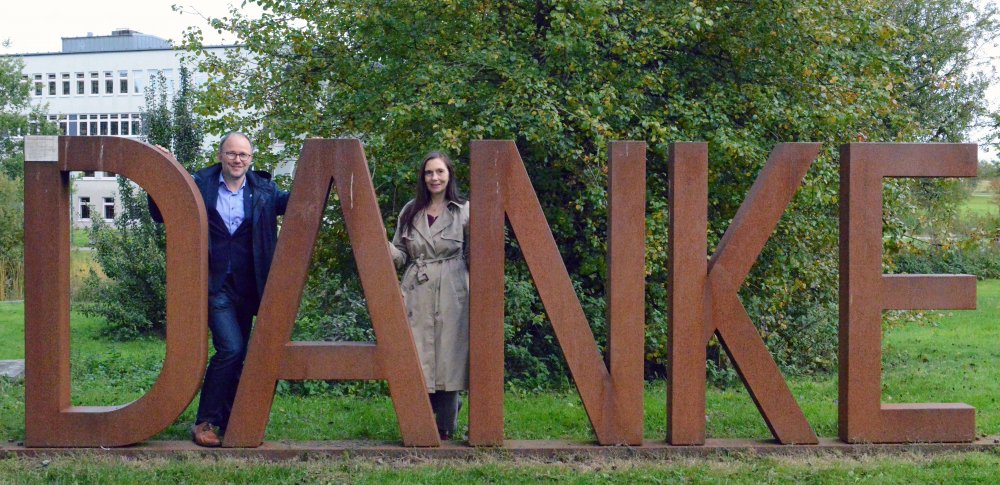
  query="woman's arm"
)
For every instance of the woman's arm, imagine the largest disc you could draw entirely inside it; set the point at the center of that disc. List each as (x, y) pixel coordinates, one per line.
(465, 230)
(397, 248)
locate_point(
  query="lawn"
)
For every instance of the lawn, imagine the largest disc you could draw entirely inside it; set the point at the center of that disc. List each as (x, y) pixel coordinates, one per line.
(945, 359)
(79, 237)
(981, 205)
(981, 201)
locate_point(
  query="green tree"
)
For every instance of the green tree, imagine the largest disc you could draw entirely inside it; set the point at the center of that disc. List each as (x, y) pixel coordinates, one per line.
(18, 117)
(157, 126)
(562, 78)
(11, 239)
(132, 250)
(187, 134)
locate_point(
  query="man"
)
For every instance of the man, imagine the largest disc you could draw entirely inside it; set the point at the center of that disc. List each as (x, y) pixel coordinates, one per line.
(242, 207)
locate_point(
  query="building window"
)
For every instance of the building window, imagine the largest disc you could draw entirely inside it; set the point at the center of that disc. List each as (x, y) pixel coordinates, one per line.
(80, 84)
(84, 208)
(39, 86)
(136, 82)
(65, 84)
(52, 88)
(109, 84)
(123, 82)
(94, 85)
(109, 208)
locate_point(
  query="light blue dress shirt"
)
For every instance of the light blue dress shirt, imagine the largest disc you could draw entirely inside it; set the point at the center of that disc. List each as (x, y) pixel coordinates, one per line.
(230, 205)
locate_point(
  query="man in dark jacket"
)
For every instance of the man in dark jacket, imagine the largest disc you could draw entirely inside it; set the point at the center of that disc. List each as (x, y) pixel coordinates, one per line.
(242, 207)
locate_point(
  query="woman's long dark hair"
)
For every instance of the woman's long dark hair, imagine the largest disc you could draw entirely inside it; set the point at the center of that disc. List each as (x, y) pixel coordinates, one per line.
(423, 197)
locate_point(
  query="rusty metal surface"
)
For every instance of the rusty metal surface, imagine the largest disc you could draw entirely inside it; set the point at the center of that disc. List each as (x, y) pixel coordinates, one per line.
(688, 275)
(728, 268)
(626, 291)
(499, 172)
(486, 279)
(271, 356)
(50, 420)
(865, 292)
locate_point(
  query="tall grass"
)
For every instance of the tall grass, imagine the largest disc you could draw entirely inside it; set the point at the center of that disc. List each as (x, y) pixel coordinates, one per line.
(11, 279)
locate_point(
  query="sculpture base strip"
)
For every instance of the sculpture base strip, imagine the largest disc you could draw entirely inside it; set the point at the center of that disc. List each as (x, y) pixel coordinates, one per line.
(511, 450)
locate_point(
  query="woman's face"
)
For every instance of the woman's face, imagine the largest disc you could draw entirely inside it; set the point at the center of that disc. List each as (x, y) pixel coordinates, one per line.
(436, 176)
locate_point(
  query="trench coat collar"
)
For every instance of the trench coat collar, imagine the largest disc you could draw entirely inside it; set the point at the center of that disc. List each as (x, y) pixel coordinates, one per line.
(443, 221)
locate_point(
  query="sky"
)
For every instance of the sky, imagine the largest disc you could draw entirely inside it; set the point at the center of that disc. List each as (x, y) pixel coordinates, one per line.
(29, 30)
(33, 28)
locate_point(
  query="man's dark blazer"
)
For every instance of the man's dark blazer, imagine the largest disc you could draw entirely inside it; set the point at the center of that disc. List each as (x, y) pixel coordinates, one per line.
(266, 202)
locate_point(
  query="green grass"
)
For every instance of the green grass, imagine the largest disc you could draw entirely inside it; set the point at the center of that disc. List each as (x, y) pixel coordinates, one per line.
(980, 205)
(11, 331)
(946, 359)
(79, 237)
(962, 468)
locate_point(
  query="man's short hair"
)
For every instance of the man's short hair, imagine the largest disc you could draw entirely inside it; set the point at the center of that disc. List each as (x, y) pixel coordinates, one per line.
(222, 142)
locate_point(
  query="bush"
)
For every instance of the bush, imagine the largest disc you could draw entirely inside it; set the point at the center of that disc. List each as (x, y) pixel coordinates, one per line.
(132, 254)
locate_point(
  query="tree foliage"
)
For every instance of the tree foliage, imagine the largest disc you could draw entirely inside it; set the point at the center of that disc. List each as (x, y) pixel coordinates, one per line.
(18, 117)
(563, 78)
(132, 250)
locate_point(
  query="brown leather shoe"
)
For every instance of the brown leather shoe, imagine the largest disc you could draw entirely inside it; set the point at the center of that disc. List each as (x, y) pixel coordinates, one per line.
(204, 435)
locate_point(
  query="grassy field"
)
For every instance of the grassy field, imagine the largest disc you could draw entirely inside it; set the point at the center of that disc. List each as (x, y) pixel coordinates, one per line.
(946, 359)
(79, 237)
(981, 201)
(981, 205)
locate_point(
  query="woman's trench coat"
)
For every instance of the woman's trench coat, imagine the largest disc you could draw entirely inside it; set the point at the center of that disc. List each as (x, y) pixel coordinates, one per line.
(435, 289)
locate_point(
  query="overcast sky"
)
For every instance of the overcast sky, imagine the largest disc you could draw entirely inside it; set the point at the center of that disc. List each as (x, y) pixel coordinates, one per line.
(31, 30)
(32, 27)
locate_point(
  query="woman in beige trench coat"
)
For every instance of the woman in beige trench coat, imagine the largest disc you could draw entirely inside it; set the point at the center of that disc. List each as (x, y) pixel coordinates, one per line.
(431, 241)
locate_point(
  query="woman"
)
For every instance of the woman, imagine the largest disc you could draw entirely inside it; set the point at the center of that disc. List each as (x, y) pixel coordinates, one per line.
(432, 238)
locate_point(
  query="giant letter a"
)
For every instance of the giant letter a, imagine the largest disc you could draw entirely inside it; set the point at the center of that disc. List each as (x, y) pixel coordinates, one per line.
(271, 356)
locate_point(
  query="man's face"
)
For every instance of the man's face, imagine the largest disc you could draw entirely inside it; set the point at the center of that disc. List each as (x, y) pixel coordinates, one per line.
(236, 156)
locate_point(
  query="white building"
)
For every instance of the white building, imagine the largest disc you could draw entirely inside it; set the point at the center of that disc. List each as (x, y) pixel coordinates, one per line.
(96, 86)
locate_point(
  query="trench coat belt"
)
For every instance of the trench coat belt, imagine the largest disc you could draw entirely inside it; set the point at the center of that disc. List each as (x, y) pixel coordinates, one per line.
(420, 265)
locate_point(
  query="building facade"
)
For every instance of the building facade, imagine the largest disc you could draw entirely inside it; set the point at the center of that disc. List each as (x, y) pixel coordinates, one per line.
(96, 86)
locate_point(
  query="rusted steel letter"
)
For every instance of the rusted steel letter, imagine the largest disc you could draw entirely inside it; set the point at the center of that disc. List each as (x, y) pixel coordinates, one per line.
(865, 292)
(716, 284)
(612, 399)
(50, 419)
(271, 356)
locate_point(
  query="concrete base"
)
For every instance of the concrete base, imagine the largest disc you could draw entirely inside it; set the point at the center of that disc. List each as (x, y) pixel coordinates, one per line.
(12, 368)
(554, 449)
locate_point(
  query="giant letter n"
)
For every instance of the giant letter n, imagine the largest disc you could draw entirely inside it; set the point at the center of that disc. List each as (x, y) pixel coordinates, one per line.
(612, 397)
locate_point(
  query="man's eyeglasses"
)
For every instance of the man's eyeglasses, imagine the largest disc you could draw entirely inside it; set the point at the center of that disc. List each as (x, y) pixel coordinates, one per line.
(244, 157)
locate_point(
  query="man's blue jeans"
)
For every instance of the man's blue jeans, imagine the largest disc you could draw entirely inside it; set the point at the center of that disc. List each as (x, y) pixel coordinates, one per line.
(230, 318)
